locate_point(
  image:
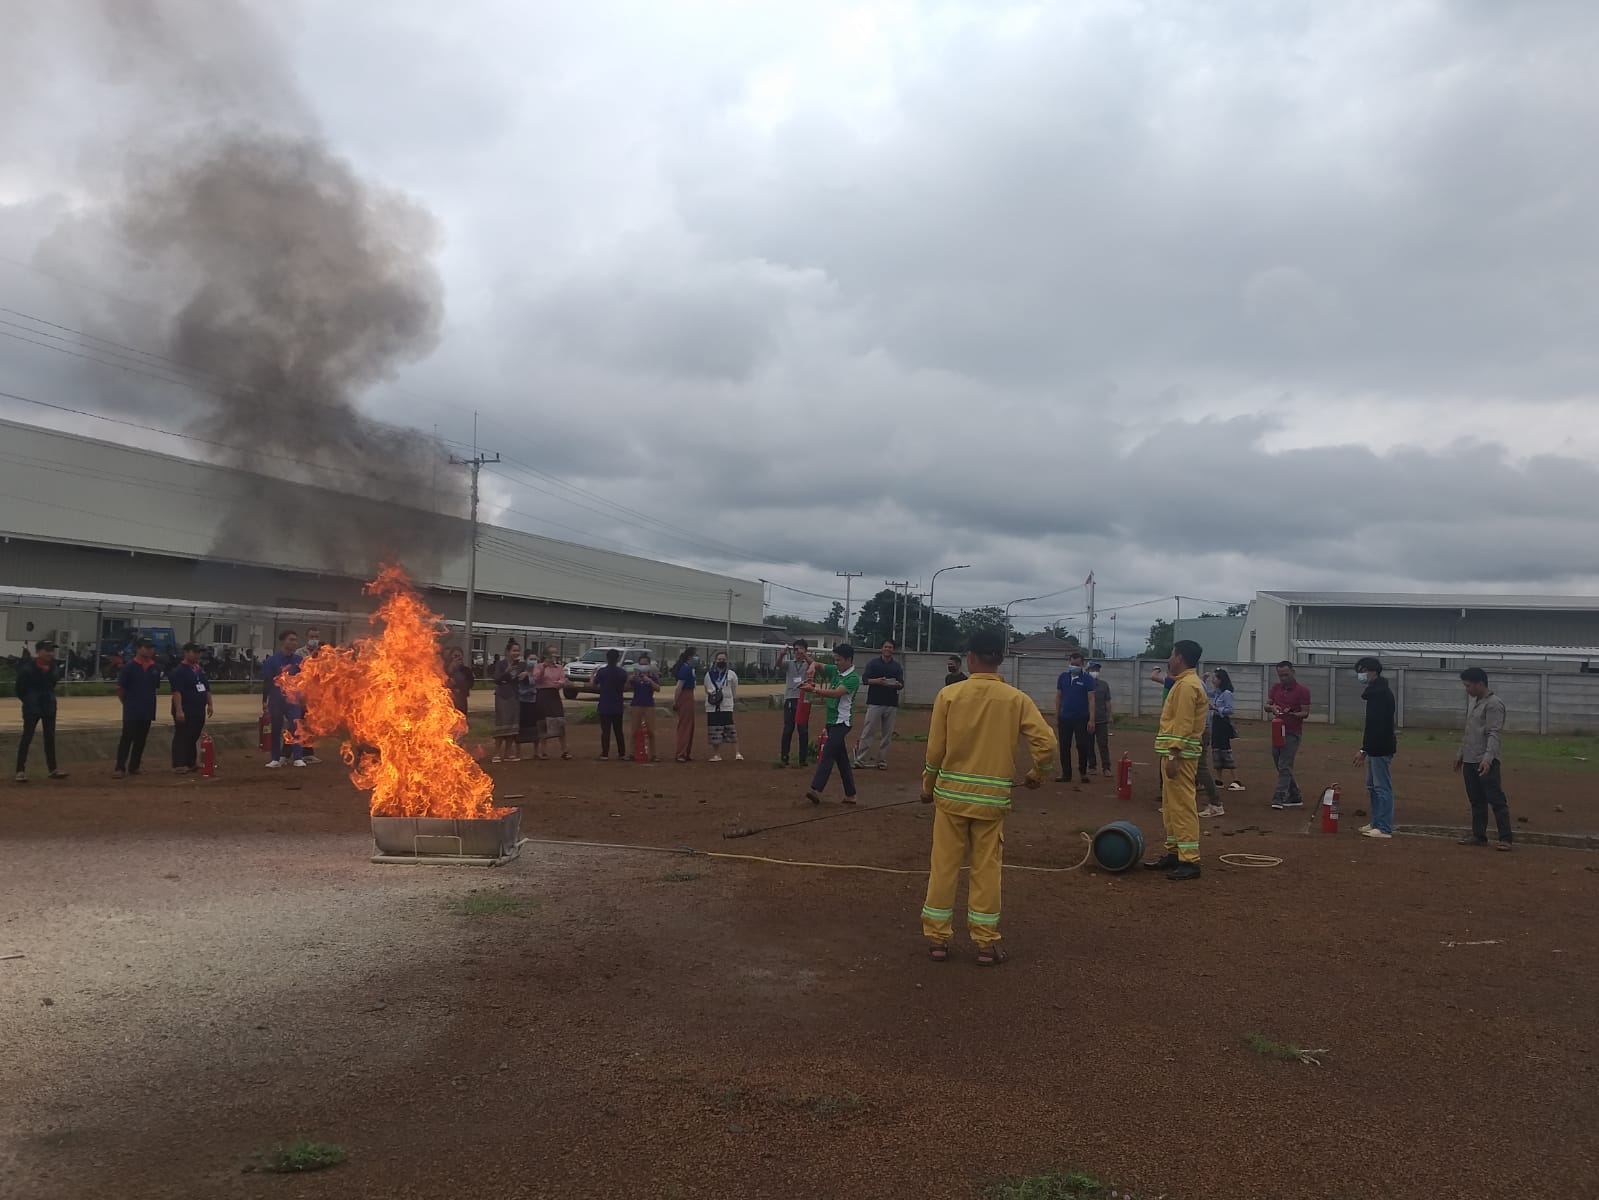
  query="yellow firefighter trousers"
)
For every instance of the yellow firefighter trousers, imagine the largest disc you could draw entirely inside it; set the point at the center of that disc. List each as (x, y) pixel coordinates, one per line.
(1180, 809)
(953, 836)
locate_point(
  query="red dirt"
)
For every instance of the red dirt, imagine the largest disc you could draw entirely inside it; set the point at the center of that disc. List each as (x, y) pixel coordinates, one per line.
(776, 1031)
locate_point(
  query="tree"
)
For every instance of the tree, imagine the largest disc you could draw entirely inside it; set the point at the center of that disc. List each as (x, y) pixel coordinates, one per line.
(892, 615)
(795, 625)
(1161, 636)
(973, 619)
(1237, 610)
(835, 618)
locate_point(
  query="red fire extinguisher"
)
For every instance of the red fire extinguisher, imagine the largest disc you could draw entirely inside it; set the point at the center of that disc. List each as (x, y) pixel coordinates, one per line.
(641, 752)
(1329, 810)
(208, 756)
(1277, 732)
(1124, 777)
(263, 727)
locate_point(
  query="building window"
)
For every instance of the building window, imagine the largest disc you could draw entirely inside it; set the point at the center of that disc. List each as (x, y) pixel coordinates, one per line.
(224, 633)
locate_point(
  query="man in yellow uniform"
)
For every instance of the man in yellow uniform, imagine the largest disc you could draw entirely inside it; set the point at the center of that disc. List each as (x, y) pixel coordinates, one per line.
(1181, 743)
(971, 755)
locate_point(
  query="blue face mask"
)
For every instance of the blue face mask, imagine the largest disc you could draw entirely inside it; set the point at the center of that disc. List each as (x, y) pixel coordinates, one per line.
(1363, 676)
(1075, 669)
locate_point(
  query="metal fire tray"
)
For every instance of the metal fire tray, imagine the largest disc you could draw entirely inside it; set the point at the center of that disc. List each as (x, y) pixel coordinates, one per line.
(485, 841)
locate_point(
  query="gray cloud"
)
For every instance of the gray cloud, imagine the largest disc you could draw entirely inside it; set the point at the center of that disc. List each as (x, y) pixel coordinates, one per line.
(1207, 299)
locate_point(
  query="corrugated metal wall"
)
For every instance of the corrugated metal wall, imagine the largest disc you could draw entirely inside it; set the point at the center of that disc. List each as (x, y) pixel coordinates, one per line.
(1478, 626)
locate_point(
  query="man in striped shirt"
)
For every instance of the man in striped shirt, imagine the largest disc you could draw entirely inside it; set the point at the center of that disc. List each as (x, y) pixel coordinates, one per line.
(1181, 743)
(971, 753)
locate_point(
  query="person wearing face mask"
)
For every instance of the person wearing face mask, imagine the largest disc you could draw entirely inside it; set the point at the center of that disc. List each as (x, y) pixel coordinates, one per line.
(1099, 752)
(1074, 716)
(721, 693)
(1377, 746)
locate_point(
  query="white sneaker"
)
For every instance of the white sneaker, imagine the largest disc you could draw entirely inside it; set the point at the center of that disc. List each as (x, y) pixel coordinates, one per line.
(274, 764)
(1235, 786)
(299, 762)
(716, 758)
(1374, 833)
(738, 758)
(1366, 827)
(1213, 810)
(22, 777)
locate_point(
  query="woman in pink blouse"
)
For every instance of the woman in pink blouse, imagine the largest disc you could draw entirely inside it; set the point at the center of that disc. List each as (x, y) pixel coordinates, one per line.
(549, 677)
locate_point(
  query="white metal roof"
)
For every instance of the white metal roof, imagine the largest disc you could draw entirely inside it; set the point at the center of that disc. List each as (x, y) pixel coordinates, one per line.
(1450, 650)
(23, 597)
(1436, 600)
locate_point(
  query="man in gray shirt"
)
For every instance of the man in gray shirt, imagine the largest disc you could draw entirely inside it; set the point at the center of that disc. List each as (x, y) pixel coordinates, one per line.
(1478, 760)
(798, 658)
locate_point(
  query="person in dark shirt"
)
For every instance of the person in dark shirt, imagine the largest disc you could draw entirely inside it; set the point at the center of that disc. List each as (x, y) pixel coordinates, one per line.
(954, 674)
(285, 716)
(611, 681)
(1378, 744)
(646, 682)
(885, 679)
(191, 708)
(36, 688)
(138, 685)
(1074, 714)
(459, 677)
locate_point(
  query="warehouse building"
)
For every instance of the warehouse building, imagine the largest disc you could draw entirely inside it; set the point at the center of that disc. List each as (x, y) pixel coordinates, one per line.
(1540, 633)
(99, 540)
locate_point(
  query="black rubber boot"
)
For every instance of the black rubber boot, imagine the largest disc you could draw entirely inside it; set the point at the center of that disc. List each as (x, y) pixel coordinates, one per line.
(1184, 871)
(1166, 862)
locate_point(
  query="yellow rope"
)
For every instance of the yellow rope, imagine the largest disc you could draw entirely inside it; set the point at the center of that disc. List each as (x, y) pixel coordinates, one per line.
(1251, 860)
(690, 851)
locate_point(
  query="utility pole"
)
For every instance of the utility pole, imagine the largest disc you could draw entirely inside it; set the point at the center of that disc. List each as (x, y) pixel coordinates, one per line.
(476, 462)
(905, 621)
(894, 618)
(1090, 614)
(1115, 646)
(848, 577)
(727, 644)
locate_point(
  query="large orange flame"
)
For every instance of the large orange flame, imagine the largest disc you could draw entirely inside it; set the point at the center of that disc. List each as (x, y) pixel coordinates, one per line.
(388, 692)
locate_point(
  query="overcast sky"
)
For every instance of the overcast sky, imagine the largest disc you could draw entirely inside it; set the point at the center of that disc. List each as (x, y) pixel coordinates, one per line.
(1203, 298)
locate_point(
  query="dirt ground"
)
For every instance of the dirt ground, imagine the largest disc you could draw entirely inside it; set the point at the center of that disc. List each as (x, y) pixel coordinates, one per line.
(214, 967)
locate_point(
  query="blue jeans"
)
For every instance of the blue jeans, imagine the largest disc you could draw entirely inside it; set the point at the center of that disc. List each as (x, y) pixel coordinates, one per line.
(1379, 782)
(285, 718)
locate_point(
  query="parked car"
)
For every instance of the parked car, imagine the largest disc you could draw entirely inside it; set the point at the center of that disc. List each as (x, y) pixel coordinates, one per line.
(580, 671)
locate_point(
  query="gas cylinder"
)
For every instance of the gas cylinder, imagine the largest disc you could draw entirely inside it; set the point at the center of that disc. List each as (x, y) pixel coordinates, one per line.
(1329, 810)
(208, 756)
(264, 727)
(1124, 777)
(1277, 732)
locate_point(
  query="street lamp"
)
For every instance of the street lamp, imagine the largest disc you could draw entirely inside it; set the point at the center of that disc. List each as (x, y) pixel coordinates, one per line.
(1023, 600)
(931, 588)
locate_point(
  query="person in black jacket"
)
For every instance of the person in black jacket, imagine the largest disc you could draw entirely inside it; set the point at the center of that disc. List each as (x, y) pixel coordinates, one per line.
(1377, 747)
(36, 688)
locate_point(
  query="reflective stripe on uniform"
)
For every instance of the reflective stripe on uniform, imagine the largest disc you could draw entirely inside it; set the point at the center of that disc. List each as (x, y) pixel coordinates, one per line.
(970, 797)
(938, 914)
(977, 918)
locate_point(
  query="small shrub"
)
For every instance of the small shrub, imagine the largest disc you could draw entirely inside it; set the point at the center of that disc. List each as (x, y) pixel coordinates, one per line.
(300, 1156)
(1051, 1185)
(493, 904)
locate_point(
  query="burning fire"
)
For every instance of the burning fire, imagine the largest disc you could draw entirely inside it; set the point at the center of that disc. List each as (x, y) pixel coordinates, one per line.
(388, 693)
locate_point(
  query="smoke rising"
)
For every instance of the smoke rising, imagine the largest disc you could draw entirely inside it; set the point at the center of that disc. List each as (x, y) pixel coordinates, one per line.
(292, 285)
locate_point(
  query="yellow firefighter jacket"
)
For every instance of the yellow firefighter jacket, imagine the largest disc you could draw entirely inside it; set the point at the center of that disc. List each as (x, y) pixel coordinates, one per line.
(971, 745)
(1182, 718)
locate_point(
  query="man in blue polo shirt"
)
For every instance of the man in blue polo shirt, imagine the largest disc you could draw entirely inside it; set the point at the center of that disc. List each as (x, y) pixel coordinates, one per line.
(191, 707)
(285, 716)
(137, 686)
(1074, 712)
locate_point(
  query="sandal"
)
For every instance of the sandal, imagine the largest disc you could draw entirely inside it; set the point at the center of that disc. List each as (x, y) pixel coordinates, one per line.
(992, 956)
(938, 952)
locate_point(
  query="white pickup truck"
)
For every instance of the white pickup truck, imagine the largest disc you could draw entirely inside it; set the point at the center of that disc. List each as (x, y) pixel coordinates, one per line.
(580, 671)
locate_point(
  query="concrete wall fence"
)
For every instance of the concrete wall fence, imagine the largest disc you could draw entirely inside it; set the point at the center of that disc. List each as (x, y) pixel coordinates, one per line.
(1535, 702)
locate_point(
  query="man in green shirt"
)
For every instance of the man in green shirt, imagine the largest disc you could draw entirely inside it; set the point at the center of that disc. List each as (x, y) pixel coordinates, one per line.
(838, 687)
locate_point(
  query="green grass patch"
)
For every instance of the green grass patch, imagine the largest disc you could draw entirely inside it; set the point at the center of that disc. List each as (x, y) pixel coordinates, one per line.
(493, 904)
(299, 1156)
(681, 876)
(1281, 1051)
(1051, 1185)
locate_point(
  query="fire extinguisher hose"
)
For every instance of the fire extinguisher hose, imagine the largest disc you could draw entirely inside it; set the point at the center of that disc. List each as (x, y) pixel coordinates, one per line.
(1251, 860)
